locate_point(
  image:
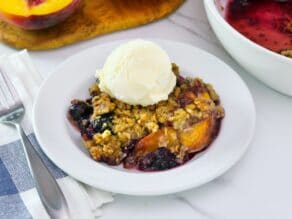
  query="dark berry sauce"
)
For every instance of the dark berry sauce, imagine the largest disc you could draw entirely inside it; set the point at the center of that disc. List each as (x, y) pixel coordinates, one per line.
(266, 22)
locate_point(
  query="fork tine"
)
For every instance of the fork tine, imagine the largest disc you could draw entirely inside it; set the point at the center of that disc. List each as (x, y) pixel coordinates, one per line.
(9, 95)
(3, 90)
(13, 92)
(3, 104)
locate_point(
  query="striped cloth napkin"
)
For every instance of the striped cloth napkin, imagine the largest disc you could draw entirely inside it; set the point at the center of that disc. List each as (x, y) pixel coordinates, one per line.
(18, 196)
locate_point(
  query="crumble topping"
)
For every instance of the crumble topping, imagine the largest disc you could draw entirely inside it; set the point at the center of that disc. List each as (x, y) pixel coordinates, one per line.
(112, 126)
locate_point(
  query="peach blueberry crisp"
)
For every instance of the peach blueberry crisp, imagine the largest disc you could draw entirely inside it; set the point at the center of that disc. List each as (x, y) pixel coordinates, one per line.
(156, 137)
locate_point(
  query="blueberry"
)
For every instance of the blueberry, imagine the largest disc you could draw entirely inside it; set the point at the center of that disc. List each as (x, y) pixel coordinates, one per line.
(83, 124)
(130, 162)
(180, 80)
(161, 159)
(183, 100)
(102, 123)
(198, 87)
(130, 147)
(80, 110)
(87, 132)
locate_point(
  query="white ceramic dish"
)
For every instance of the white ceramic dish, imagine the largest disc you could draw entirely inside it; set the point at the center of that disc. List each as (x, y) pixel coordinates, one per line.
(269, 67)
(63, 145)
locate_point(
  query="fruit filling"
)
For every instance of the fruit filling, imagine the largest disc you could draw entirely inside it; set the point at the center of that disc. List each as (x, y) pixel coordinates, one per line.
(266, 22)
(151, 138)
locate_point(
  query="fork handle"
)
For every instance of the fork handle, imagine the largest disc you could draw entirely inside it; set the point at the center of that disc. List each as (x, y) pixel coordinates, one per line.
(47, 187)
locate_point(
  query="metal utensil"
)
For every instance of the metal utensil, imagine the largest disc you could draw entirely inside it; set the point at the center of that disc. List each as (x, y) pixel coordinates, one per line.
(11, 113)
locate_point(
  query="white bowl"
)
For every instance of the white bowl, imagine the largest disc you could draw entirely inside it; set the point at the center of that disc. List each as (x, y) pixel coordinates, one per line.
(269, 67)
(62, 143)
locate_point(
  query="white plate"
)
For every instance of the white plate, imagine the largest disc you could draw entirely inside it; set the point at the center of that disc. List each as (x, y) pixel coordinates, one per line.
(63, 145)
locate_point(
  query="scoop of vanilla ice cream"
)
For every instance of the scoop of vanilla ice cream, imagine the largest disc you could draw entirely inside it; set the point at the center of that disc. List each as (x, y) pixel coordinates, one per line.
(138, 72)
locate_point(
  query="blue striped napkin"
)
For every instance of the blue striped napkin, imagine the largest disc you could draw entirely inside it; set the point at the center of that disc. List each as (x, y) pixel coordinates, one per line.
(18, 196)
(16, 178)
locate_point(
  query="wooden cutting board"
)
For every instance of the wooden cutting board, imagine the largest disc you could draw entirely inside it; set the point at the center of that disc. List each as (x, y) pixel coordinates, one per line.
(94, 18)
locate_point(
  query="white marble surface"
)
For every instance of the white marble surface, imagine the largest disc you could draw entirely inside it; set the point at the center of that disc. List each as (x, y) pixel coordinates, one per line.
(259, 186)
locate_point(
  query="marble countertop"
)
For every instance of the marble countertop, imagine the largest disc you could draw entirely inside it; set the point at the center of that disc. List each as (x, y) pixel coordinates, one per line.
(259, 186)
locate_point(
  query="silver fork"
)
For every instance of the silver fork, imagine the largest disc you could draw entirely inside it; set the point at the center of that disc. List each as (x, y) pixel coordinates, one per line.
(11, 114)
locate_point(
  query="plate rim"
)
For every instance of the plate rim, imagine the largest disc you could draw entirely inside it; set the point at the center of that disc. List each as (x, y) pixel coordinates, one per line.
(217, 173)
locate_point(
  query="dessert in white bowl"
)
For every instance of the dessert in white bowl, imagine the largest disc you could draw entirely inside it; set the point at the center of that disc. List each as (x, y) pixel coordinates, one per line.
(63, 146)
(143, 114)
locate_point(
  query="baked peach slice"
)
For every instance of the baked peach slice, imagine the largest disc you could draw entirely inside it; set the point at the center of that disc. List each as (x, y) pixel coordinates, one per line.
(36, 14)
(199, 135)
(165, 137)
(194, 139)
